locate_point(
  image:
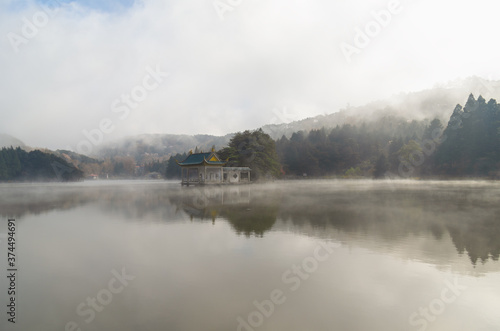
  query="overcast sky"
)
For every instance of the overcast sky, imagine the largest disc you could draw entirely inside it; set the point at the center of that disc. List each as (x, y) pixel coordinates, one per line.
(215, 67)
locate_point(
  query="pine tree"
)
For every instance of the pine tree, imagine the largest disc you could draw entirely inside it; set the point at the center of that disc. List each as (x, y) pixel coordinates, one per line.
(173, 170)
(256, 150)
(381, 167)
(471, 146)
(433, 131)
(3, 167)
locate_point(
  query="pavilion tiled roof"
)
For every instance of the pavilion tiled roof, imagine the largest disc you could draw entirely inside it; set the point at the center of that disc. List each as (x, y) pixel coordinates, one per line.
(201, 158)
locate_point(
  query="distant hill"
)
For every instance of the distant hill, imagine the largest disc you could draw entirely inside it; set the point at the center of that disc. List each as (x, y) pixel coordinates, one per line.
(390, 115)
(368, 140)
(437, 102)
(469, 147)
(73, 157)
(8, 141)
(16, 164)
(160, 146)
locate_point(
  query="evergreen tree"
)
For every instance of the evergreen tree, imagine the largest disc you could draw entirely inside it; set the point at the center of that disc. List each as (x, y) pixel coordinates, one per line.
(394, 147)
(3, 167)
(471, 141)
(381, 167)
(253, 149)
(17, 164)
(409, 152)
(433, 131)
(173, 170)
(12, 162)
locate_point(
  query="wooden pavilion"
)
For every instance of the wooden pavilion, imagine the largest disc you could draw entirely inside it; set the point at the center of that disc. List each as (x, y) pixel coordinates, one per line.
(208, 168)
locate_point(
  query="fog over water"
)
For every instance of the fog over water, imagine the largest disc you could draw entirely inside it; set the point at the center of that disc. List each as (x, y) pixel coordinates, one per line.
(370, 255)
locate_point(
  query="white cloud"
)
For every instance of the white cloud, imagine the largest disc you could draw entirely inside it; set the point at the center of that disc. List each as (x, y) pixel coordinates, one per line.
(227, 75)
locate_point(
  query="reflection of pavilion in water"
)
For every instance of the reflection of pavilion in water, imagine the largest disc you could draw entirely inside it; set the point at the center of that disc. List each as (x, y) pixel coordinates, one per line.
(246, 214)
(207, 202)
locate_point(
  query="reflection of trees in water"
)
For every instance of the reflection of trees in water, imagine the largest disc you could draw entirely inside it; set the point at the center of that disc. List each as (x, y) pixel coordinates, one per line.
(133, 201)
(469, 216)
(480, 239)
(247, 213)
(255, 219)
(20, 201)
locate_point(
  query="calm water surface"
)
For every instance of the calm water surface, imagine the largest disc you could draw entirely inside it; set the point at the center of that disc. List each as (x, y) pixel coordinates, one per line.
(297, 256)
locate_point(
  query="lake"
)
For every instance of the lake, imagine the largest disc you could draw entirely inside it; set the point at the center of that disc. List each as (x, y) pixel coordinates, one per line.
(292, 256)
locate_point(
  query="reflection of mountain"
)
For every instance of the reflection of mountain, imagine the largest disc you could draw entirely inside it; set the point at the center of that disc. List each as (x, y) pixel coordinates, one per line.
(463, 216)
(469, 215)
(130, 199)
(24, 199)
(386, 214)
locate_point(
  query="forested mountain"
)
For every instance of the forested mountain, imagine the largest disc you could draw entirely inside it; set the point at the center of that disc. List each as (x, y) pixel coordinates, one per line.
(468, 147)
(349, 150)
(437, 102)
(399, 137)
(18, 165)
(390, 146)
